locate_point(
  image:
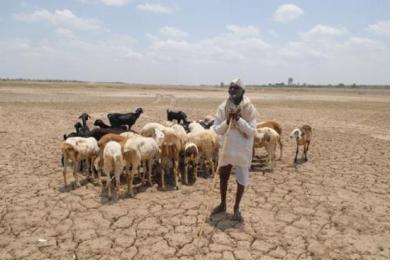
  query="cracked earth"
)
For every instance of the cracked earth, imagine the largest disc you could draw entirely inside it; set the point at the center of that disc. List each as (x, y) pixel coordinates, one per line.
(335, 206)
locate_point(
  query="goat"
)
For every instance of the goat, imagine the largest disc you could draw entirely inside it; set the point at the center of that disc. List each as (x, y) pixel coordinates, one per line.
(113, 163)
(267, 138)
(207, 143)
(178, 116)
(148, 149)
(80, 131)
(77, 149)
(206, 125)
(98, 132)
(303, 137)
(101, 144)
(84, 117)
(100, 123)
(195, 127)
(129, 119)
(277, 127)
(191, 156)
(148, 130)
(170, 148)
(180, 132)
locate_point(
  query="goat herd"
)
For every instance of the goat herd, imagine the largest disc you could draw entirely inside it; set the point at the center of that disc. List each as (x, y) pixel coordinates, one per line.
(116, 147)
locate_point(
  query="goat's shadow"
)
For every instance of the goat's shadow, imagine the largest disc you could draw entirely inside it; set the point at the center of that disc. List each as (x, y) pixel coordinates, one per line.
(136, 188)
(224, 221)
(72, 187)
(298, 162)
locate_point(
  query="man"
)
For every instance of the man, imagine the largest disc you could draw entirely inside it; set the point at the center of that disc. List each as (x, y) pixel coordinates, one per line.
(238, 151)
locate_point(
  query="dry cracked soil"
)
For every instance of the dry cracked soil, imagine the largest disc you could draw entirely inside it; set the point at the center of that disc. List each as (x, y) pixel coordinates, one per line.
(335, 206)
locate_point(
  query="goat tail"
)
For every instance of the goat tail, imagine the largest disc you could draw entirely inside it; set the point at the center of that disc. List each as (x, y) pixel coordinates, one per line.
(279, 130)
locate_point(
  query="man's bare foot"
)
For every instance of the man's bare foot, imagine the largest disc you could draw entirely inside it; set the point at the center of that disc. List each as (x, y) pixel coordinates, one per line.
(219, 209)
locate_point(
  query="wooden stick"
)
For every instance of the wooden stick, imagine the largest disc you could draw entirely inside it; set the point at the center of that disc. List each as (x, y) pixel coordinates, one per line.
(221, 156)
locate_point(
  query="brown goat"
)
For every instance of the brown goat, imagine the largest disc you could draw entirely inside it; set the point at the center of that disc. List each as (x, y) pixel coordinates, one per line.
(170, 149)
(191, 156)
(277, 127)
(303, 137)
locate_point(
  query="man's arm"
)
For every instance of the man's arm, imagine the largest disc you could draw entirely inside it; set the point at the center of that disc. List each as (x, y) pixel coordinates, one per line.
(220, 126)
(249, 128)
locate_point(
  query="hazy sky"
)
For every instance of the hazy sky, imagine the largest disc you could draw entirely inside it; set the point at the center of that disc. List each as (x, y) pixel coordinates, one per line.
(196, 42)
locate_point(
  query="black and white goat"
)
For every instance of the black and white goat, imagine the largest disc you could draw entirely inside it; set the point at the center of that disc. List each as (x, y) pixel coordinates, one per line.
(303, 137)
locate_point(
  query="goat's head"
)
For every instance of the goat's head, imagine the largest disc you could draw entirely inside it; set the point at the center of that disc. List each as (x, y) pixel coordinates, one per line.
(139, 111)
(258, 138)
(78, 125)
(159, 136)
(296, 133)
(84, 116)
(186, 126)
(209, 124)
(98, 122)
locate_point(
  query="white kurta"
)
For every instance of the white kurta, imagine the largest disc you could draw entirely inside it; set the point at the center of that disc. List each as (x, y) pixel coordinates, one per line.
(238, 150)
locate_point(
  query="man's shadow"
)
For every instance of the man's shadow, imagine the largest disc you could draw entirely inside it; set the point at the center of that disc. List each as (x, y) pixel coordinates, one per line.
(223, 221)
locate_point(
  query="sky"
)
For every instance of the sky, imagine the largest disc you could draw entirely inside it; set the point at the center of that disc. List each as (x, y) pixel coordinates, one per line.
(197, 42)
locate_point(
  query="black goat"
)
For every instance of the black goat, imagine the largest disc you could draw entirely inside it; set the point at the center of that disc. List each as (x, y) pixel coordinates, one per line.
(99, 132)
(84, 117)
(118, 119)
(186, 126)
(179, 116)
(102, 124)
(206, 125)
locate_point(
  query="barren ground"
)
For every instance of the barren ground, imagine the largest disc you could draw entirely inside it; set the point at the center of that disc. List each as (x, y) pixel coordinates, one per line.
(335, 206)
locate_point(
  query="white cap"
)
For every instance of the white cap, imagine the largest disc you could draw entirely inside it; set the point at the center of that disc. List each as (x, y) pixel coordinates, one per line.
(238, 82)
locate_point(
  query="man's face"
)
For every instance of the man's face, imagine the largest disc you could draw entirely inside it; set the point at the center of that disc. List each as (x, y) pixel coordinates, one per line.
(235, 93)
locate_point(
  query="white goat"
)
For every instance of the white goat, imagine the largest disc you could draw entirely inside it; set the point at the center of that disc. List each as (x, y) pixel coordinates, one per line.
(181, 133)
(267, 138)
(148, 149)
(114, 163)
(195, 127)
(77, 149)
(207, 143)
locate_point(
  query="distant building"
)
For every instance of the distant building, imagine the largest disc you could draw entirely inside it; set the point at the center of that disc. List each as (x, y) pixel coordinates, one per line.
(290, 81)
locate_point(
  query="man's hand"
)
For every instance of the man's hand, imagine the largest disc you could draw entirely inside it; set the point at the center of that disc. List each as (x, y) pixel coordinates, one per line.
(233, 116)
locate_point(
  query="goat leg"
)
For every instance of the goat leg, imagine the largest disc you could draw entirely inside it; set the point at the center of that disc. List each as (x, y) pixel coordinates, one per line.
(195, 170)
(281, 148)
(162, 173)
(109, 184)
(212, 167)
(297, 151)
(186, 172)
(306, 150)
(65, 170)
(176, 173)
(149, 172)
(75, 174)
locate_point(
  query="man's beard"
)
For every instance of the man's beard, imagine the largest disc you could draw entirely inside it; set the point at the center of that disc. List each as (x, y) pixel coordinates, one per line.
(236, 99)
